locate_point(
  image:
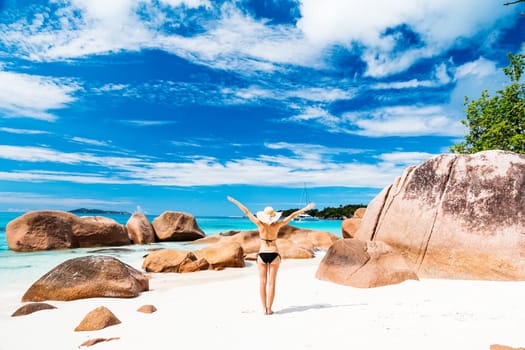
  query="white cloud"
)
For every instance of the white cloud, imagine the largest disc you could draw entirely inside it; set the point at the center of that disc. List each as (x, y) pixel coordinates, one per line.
(440, 77)
(233, 40)
(24, 131)
(441, 74)
(323, 94)
(110, 88)
(439, 25)
(38, 200)
(410, 84)
(319, 115)
(405, 121)
(386, 121)
(187, 3)
(89, 141)
(31, 96)
(186, 144)
(405, 158)
(80, 28)
(43, 155)
(306, 149)
(140, 123)
(236, 41)
(247, 95)
(472, 78)
(312, 164)
(479, 68)
(282, 92)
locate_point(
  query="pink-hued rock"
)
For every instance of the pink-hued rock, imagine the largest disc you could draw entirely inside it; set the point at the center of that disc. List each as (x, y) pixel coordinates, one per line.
(48, 229)
(94, 341)
(363, 264)
(455, 216)
(359, 213)
(503, 347)
(88, 277)
(350, 226)
(177, 226)
(222, 255)
(41, 230)
(96, 231)
(32, 307)
(170, 260)
(99, 318)
(288, 249)
(147, 309)
(140, 230)
(318, 239)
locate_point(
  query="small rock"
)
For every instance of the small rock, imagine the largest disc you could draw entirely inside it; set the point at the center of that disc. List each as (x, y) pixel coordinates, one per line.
(503, 347)
(99, 318)
(92, 342)
(147, 309)
(32, 307)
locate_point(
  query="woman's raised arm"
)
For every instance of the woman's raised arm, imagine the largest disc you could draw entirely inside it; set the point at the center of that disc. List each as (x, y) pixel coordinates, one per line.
(244, 210)
(297, 213)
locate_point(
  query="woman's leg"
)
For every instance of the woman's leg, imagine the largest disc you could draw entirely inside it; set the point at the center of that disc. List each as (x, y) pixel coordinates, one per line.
(272, 277)
(263, 275)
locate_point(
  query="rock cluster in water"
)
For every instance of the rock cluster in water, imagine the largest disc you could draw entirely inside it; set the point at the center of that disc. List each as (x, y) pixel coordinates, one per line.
(48, 230)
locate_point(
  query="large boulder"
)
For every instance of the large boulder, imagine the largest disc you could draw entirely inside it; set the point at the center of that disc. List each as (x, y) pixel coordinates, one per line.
(170, 260)
(96, 231)
(140, 230)
(222, 255)
(455, 216)
(355, 263)
(48, 229)
(177, 226)
(41, 230)
(88, 277)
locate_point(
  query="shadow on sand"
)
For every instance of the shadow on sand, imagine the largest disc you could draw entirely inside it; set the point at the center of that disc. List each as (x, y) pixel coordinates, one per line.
(301, 308)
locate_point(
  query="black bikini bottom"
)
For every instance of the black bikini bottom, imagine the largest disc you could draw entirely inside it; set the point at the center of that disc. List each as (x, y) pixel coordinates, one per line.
(268, 257)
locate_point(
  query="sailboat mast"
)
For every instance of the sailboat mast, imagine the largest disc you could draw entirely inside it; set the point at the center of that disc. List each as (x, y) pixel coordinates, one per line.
(305, 198)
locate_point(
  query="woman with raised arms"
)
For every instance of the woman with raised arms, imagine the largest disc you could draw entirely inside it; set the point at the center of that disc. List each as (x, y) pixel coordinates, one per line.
(268, 258)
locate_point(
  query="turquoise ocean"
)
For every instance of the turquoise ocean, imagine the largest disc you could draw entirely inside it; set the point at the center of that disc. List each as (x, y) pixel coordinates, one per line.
(21, 269)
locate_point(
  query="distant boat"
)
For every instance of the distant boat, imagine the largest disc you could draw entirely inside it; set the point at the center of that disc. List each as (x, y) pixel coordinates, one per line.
(305, 217)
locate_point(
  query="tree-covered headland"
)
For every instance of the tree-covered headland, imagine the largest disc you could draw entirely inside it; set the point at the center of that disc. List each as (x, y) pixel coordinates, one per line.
(340, 212)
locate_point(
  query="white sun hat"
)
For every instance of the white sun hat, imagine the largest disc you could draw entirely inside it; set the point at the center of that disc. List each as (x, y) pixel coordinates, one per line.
(268, 215)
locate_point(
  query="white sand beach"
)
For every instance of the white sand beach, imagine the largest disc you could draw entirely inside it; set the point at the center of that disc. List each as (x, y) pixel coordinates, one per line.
(221, 310)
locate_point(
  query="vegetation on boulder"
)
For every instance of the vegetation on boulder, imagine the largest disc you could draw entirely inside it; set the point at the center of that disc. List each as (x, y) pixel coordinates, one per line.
(497, 122)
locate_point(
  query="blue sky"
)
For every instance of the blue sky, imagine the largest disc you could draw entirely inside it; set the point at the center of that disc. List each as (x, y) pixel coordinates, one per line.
(174, 104)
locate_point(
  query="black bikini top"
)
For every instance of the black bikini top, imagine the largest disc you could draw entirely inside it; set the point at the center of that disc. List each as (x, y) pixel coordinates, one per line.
(268, 240)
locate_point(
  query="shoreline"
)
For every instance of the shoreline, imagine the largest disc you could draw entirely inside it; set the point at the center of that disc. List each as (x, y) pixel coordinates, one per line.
(219, 309)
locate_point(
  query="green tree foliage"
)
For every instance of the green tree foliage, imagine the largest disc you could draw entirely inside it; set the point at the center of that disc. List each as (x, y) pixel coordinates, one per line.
(497, 122)
(330, 212)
